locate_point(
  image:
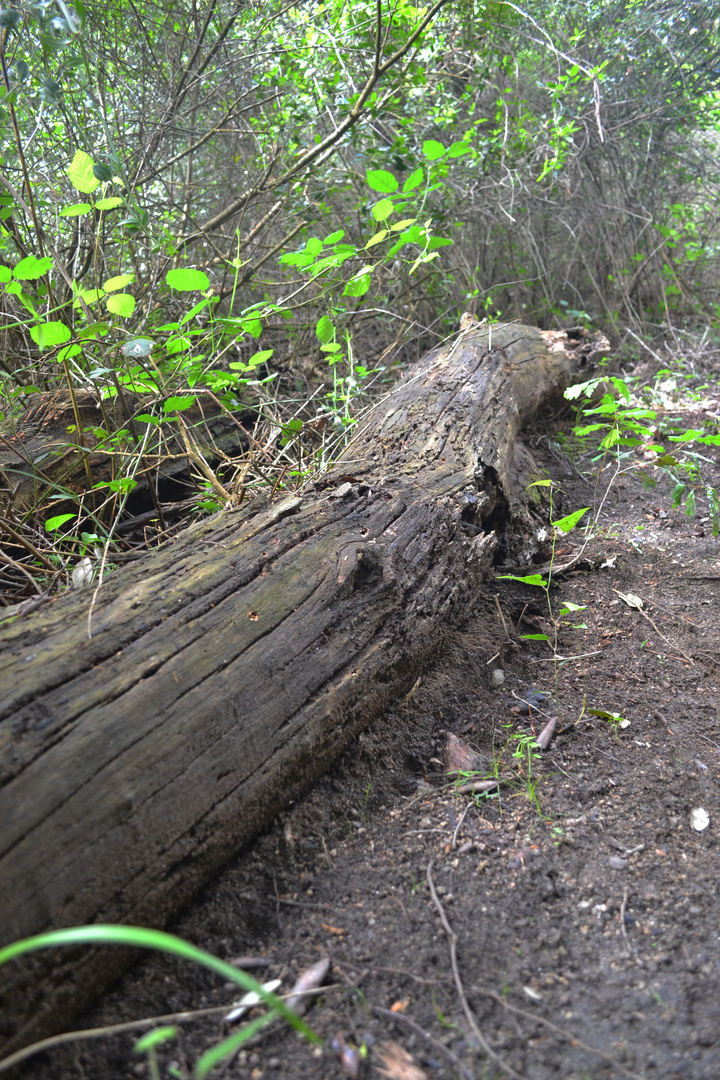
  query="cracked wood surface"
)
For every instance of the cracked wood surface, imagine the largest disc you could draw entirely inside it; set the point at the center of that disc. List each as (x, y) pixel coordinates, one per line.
(141, 747)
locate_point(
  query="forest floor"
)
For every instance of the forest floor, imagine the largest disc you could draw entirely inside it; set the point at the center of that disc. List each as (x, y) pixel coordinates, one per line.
(583, 900)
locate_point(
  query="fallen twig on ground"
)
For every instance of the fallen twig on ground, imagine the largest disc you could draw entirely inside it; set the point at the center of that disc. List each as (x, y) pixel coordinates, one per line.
(537, 1019)
(402, 1019)
(469, 1015)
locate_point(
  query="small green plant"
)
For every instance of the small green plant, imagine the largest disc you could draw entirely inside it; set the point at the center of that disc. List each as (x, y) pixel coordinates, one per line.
(525, 750)
(363, 803)
(149, 1043)
(559, 527)
(140, 937)
(629, 427)
(616, 720)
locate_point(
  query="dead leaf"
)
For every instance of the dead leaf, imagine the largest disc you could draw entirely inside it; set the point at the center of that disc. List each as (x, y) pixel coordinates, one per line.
(399, 1065)
(460, 757)
(400, 1006)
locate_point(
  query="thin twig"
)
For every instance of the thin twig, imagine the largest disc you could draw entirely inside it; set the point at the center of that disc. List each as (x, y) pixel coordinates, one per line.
(457, 827)
(456, 1062)
(537, 1019)
(24, 542)
(469, 1015)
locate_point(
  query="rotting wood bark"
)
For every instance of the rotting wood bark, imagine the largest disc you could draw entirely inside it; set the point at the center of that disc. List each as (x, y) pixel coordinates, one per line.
(221, 674)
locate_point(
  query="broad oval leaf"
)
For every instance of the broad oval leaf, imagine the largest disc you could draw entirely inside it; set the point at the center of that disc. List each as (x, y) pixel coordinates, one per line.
(9, 17)
(54, 523)
(325, 330)
(414, 180)
(178, 404)
(252, 327)
(432, 149)
(21, 70)
(457, 149)
(68, 351)
(122, 304)
(333, 238)
(259, 358)
(102, 173)
(109, 204)
(187, 279)
(382, 180)
(376, 239)
(138, 347)
(30, 268)
(76, 209)
(382, 210)
(81, 173)
(358, 286)
(50, 91)
(314, 246)
(90, 296)
(49, 334)
(119, 282)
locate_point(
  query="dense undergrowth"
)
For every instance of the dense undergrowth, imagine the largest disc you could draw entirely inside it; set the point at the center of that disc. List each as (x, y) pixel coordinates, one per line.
(225, 230)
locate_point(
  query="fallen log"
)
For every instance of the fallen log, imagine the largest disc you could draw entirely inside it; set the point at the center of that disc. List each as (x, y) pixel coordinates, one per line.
(150, 728)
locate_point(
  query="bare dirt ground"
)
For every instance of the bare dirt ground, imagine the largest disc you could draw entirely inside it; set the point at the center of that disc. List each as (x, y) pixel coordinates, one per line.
(583, 902)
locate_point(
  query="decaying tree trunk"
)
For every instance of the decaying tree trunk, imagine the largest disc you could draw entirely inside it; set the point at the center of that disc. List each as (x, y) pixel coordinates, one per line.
(149, 731)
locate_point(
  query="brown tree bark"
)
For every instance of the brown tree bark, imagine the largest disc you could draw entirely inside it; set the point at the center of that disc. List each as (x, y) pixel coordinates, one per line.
(150, 730)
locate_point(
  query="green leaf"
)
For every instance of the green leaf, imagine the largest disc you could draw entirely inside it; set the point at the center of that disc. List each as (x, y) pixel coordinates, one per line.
(102, 173)
(259, 358)
(30, 268)
(76, 209)
(155, 1038)
(432, 149)
(90, 296)
(49, 334)
(358, 285)
(178, 404)
(187, 279)
(138, 347)
(403, 224)
(314, 246)
(9, 18)
(93, 331)
(530, 579)
(122, 304)
(457, 149)
(584, 388)
(414, 180)
(382, 180)
(252, 327)
(81, 173)
(534, 637)
(4, 274)
(109, 204)
(119, 282)
(140, 938)
(376, 239)
(325, 330)
(567, 523)
(54, 523)
(382, 210)
(68, 351)
(333, 238)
